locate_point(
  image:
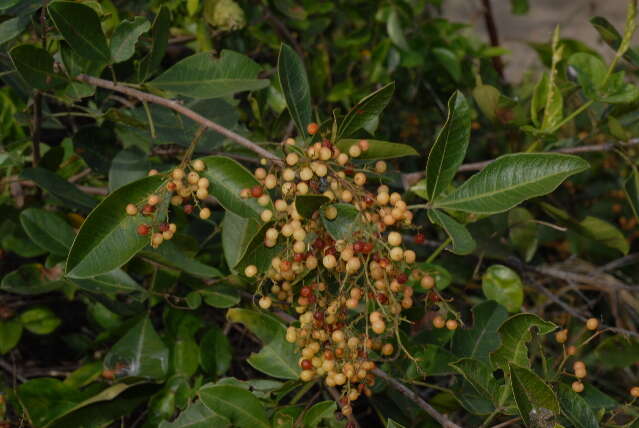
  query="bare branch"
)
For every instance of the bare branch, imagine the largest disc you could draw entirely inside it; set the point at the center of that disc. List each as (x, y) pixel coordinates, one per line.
(178, 107)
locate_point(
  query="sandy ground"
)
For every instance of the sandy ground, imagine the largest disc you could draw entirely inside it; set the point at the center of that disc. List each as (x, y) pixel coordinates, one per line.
(537, 25)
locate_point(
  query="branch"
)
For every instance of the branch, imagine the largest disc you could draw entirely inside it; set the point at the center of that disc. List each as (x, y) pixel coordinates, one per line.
(178, 107)
(491, 27)
(403, 389)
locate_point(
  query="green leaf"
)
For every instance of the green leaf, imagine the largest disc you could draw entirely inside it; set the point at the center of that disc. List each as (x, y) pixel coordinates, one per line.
(367, 109)
(31, 279)
(307, 205)
(432, 359)
(480, 376)
(66, 192)
(86, 39)
(531, 393)
(449, 149)
(197, 415)
(510, 180)
(611, 36)
(125, 37)
(392, 424)
(215, 352)
(449, 61)
(442, 276)
(108, 237)
(576, 409)
(221, 296)
(47, 230)
(11, 28)
(604, 233)
(127, 166)
(294, 84)
(277, 358)
(237, 235)
(345, 224)
(487, 98)
(185, 357)
(463, 242)
(378, 149)
(617, 352)
(10, 333)
(503, 285)
(160, 41)
(519, 7)
(114, 282)
(139, 353)
(169, 254)
(395, 31)
(35, 65)
(46, 399)
(204, 76)
(523, 232)
(515, 335)
(318, 412)
(238, 405)
(39, 320)
(482, 339)
(228, 178)
(591, 71)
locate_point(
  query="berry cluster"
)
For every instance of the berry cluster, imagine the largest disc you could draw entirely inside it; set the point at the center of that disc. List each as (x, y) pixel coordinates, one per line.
(182, 187)
(348, 290)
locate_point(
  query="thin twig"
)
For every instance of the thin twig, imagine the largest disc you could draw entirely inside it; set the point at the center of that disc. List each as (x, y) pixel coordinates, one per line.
(404, 390)
(36, 127)
(12, 370)
(493, 35)
(178, 107)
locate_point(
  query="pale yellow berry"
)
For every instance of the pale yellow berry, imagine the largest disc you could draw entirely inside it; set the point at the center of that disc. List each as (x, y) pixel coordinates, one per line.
(193, 177)
(306, 375)
(354, 151)
(330, 212)
(292, 159)
(266, 215)
(353, 265)
(299, 247)
(198, 165)
(561, 336)
(394, 239)
(396, 254)
(288, 174)
(359, 179)
(172, 227)
(577, 386)
(346, 196)
(338, 336)
(167, 235)
(290, 141)
(281, 205)
(202, 193)
(451, 324)
(342, 159)
(387, 349)
(264, 200)
(427, 282)
(321, 170)
(153, 172)
(178, 173)
(306, 173)
(409, 256)
(131, 209)
(270, 182)
(153, 200)
(203, 183)
(382, 198)
(176, 200)
(325, 153)
(272, 234)
(311, 262)
(380, 167)
(592, 324)
(205, 213)
(291, 334)
(439, 322)
(156, 240)
(302, 188)
(329, 261)
(250, 271)
(265, 302)
(378, 326)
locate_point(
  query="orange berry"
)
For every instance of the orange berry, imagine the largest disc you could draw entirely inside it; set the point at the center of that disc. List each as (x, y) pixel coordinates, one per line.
(312, 128)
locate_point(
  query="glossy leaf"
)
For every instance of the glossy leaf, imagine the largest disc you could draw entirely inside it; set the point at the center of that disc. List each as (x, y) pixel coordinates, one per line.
(160, 40)
(378, 149)
(87, 39)
(139, 353)
(306, 205)
(197, 415)
(228, 178)
(449, 149)
(47, 230)
(215, 352)
(108, 237)
(294, 84)
(125, 37)
(237, 235)
(66, 192)
(463, 242)
(35, 65)
(449, 61)
(39, 320)
(318, 412)
(510, 180)
(345, 224)
(277, 357)
(185, 356)
(523, 232)
(503, 285)
(531, 393)
(515, 335)
(604, 233)
(10, 333)
(114, 282)
(204, 76)
(482, 339)
(170, 254)
(367, 109)
(576, 409)
(236, 404)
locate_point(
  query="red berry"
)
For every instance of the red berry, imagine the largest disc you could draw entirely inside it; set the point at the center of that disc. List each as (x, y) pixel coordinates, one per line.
(330, 250)
(143, 229)
(188, 209)
(163, 227)
(171, 186)
(318, 244)
(311, 298)
(358, 246)
(368, 247)
(306, 291)
(298, 257)
(402, 278)
(420, 238)
(319, 316)
(381, 298)
(306, 364)
(349, 171)
(148, 209)
(343, 401)
(257, 191)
